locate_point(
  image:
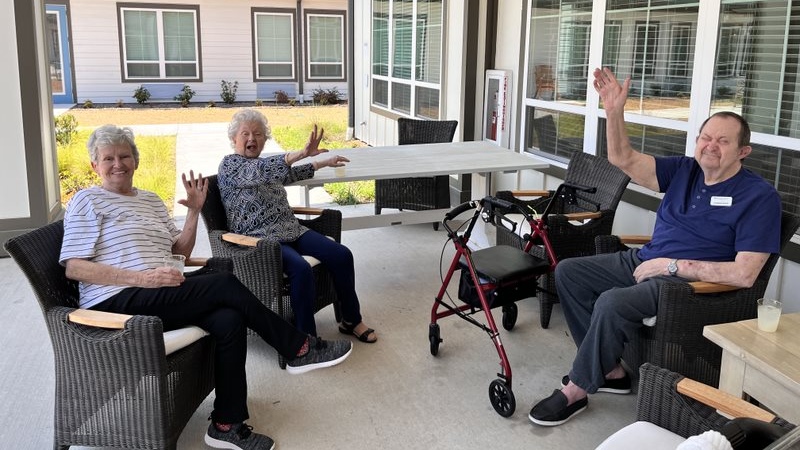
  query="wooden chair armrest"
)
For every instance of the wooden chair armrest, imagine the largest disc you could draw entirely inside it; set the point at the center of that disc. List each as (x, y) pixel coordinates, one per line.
(635, 239)
(307, 211)
(196, 262)
(240, 239)
(581, 216)
(705, 287)
(530, 193)
(100, 319)
(722, 401)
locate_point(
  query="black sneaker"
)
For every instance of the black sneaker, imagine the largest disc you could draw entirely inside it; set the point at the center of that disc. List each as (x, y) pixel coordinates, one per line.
(320, 354)
(554, 410)
(616, 386)
(239, 437)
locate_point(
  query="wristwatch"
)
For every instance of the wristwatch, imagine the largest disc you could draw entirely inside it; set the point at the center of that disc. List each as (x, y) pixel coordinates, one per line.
(672, 267)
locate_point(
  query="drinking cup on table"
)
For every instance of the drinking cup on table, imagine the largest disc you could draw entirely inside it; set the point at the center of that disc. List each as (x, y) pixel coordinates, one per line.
(177, 262)
(769, 314)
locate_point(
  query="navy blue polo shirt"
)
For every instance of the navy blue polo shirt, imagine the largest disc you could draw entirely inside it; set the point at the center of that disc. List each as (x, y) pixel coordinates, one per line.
(712, 223)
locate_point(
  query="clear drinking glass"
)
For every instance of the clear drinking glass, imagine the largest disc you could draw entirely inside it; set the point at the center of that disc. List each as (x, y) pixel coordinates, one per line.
(177, 262)
(769, 314)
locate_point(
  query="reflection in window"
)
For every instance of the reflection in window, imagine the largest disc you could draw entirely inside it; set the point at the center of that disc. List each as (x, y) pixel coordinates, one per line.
(553, 133)
(658, 56)
(757, 65)
(559, 45)
(758, 76)
(54, 53)
(652, 140)
(407, 56)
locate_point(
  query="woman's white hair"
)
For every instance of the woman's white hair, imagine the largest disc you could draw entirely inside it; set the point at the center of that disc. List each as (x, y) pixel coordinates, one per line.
(108, 135)
(248, 115)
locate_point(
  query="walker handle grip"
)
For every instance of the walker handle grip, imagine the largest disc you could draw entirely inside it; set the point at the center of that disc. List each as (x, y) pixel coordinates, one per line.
(458, 210)
(499, 203)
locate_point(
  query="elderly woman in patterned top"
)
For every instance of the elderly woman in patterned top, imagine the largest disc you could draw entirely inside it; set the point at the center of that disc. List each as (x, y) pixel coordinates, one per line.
(254, 196)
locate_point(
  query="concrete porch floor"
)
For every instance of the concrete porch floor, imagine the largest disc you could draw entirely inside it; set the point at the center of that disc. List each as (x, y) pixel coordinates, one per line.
(390, 395)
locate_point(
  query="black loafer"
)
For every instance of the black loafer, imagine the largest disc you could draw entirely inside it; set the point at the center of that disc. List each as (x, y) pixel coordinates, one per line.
(616, 386)
(554, 410)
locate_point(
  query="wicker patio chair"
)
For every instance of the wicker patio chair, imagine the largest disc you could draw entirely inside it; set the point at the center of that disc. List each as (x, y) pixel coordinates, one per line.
(676, 340)
(257, 262)
(116, 383)
(570, 238)
(684, 407)
(421, 193)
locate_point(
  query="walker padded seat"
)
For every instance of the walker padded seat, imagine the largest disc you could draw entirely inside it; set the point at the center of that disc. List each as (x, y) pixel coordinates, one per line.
(512, 273)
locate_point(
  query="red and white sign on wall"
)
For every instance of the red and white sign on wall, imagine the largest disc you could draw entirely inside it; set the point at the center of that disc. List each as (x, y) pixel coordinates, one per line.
(496, 100)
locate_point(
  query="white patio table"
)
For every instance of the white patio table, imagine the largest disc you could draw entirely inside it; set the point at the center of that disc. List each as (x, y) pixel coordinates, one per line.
(480, 158)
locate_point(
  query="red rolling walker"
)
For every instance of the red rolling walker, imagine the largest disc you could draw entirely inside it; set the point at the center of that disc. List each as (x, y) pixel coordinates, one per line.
(494, 277)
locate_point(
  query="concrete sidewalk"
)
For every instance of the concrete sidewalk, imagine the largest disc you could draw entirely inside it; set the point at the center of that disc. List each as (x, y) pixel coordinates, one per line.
(201, 146)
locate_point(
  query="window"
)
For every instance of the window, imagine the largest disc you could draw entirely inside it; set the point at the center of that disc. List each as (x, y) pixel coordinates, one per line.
(407, 56)
(758, 76)
(325, 42)
(658, 56)
(274, 46)
(160, 44)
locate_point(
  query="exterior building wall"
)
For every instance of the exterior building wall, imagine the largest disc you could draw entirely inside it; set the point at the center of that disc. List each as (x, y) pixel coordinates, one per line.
(226, 51)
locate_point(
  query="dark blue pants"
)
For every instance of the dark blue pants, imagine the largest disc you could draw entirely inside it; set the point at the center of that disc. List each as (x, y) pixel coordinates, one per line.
(225, 308)
(337, 259)
(604, 307)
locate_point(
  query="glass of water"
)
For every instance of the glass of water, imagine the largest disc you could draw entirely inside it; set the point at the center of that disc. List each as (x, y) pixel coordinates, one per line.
(769, 314)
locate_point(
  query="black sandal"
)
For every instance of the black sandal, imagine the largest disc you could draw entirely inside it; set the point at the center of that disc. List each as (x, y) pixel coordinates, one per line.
(350, 328)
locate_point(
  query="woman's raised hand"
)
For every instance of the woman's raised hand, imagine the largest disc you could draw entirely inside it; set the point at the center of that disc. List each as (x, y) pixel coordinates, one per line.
(196, 190)
(312, 146)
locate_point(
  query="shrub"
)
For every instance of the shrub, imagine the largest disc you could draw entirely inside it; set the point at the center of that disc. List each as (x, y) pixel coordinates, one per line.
(88, 104)
(120, 103)
(185, 96)
(229, 91)
(330, 96)
(211, 104)
(141, 94)
(65, 129)
(259, 102)
(281, 97)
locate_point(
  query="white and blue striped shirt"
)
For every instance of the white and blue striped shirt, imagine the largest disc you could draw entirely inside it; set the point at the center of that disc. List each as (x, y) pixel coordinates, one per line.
(128, 232)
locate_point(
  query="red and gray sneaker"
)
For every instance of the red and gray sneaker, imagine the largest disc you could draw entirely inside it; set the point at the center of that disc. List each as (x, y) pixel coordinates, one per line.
(239, 437)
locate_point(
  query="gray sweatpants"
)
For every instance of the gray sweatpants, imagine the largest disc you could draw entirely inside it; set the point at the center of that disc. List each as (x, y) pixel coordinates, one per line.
(604, 307)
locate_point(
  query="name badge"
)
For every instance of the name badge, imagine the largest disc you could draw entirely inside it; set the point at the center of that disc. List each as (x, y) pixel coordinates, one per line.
(721, 201)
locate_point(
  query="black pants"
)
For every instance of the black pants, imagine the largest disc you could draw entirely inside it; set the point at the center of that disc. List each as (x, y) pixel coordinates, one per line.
(220, 304)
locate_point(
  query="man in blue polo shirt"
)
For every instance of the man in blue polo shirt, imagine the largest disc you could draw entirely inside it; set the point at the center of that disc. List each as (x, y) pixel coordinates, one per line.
(717, 222)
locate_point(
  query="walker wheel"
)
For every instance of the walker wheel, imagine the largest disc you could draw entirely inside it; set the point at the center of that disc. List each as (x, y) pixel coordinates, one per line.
(433, 337)
(502, 398)
(510, 313)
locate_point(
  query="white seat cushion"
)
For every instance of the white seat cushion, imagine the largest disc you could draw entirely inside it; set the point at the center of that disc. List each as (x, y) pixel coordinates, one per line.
(177, 339)
(642, 435)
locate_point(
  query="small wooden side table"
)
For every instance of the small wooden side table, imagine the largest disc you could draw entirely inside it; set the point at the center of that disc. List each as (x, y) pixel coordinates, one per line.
(764, 366)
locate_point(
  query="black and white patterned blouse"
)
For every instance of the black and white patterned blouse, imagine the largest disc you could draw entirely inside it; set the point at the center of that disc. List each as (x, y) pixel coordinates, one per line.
(254, 196)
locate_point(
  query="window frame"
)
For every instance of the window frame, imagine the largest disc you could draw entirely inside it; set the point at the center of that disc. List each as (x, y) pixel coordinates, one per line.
(291, 13)
(159, 9)
(308, 14)
(418, 69)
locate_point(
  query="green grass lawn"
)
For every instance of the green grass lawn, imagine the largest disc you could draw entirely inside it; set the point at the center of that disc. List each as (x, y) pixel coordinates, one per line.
(156, 172)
